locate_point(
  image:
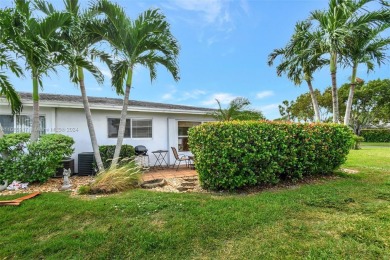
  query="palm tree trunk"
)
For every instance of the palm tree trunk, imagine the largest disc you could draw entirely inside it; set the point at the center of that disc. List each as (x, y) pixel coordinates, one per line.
(314, 101)
(88, 116)
(335, 99)
(1, 131)
(350, 96)
(122, 124)
(35, 96)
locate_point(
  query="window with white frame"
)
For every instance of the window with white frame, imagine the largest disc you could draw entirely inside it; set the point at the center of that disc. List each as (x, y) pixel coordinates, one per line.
(140, 128)
(21, 124)
(183, 127)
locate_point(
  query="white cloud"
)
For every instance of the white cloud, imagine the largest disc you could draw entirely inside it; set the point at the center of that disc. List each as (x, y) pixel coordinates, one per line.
(178, 96)
(106, 72)
(167, 96)
(95, 89)
(245, 6)
(210, 9)
(264, 94)
(103, 69)
(270, 107)
(224, 98)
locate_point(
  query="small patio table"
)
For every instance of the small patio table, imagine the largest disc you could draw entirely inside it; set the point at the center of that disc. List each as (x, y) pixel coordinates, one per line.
(160, 158)
(191, 162)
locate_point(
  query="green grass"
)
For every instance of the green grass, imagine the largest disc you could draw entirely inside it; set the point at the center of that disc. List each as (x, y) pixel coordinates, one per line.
(365, 144)
(347, 217)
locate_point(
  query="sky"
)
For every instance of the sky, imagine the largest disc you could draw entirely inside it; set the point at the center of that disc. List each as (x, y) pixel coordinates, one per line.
(224, 49)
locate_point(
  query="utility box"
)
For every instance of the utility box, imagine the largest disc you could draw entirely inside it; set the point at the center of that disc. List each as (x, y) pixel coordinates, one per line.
(67, 163)
(86, 163)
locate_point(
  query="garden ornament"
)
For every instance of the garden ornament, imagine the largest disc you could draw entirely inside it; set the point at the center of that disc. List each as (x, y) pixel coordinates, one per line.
(3, 187)
(66, 185)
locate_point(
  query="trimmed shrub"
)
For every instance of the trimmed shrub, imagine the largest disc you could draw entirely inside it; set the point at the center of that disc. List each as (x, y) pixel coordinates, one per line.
(30, 162)
(376, 135)
(107, 153)
(231, 155)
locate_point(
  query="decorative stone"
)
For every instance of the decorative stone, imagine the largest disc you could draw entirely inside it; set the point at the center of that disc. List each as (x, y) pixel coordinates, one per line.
(154, 183)
(188, 184)
(181, 189)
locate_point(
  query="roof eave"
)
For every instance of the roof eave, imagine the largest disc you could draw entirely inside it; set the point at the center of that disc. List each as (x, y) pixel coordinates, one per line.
(27, 103)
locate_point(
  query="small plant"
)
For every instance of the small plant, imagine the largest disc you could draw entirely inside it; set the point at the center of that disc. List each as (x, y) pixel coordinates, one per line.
(85, 189)
(119, 179)
(356, 142)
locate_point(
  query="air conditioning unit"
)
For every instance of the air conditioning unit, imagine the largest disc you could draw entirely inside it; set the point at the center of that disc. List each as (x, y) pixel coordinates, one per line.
(86, 163)
(67, 163)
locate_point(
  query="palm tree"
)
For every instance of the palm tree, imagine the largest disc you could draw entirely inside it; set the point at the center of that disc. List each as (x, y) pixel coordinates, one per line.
(336, 24)
(146, 41)
(365, 46)
(32, 39)
(6, 88)
(7, 62)
(78, 56)
(236, 111)
(301, 57)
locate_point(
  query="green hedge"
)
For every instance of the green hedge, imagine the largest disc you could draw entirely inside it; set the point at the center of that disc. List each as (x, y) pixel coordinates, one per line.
(231, 155)
(107, 153)
(24, 161)
(376, 135)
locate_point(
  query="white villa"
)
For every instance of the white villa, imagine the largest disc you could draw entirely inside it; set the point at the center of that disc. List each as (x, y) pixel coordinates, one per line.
(157, 126)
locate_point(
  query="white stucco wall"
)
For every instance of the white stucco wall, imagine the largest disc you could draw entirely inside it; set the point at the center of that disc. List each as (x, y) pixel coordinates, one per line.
(72, 122)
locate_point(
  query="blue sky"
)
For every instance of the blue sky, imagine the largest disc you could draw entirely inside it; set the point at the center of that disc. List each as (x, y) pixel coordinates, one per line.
(224, 49)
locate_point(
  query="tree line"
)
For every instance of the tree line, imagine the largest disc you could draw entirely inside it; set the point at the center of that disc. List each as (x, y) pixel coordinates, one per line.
(46, 38)
(346, 34)
(370, 105)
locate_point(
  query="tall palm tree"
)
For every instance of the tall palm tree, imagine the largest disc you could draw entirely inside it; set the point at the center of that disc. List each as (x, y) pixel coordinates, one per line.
(6, 88)
(32, 39)
(365, 47)
(336, 24)
(301, 57)
(147, 41)
(79, 54)
(7, 62)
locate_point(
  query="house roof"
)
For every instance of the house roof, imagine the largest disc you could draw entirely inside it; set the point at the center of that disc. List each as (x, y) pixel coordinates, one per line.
(73, 101)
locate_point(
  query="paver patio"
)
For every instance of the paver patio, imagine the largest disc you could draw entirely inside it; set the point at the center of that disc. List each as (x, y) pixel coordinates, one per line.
(167, 173)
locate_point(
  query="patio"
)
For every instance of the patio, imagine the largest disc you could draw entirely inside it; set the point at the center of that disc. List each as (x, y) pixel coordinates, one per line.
(167, 173)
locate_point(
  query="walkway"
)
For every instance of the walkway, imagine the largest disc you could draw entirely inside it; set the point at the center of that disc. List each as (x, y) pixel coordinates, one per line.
(167, 173)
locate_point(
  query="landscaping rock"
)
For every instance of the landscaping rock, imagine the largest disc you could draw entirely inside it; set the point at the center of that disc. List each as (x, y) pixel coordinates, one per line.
(153, 184)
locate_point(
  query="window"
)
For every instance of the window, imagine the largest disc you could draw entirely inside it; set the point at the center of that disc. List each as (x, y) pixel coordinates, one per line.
(21, 124)
(140, 128)
(113, 127)
(183, 127)
(7, 123)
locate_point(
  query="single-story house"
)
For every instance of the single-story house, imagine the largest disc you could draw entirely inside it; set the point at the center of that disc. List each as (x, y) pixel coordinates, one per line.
(157, 126)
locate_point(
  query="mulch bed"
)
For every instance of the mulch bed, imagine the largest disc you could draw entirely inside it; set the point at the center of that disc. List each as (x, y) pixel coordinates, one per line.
(52, 185)
(172, 185)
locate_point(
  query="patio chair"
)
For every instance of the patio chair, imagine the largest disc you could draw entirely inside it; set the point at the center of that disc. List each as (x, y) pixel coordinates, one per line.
(179, 158)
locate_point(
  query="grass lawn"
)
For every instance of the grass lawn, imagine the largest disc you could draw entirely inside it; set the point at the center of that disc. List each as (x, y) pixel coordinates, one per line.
(375, 144)
(342, 218)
